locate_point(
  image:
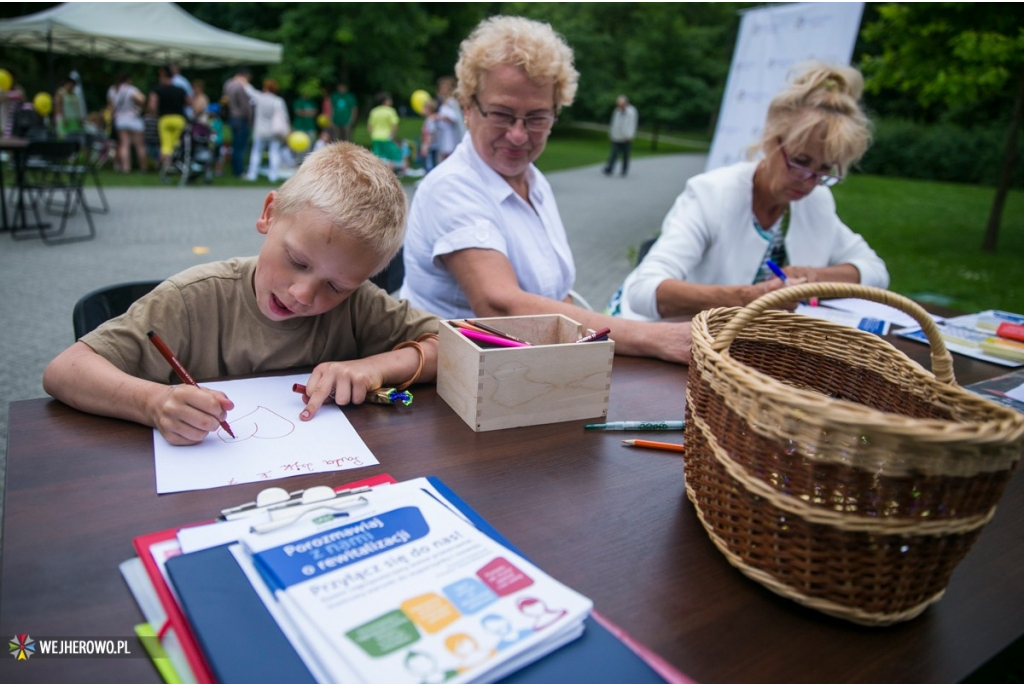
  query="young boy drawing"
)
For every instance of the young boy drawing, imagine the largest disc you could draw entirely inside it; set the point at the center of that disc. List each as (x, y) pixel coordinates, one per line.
(303, 300)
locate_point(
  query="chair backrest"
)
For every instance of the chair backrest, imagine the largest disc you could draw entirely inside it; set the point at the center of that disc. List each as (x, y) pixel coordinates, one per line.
(390, 279)
(52, 151)
(105, 303)
(644, 248)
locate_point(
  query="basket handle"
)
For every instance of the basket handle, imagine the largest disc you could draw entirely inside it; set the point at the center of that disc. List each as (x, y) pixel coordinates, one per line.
(942, 361)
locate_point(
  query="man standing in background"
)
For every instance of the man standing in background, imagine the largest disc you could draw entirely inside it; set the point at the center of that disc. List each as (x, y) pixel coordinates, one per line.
(240, 117)
(621, 132)
(344, 109)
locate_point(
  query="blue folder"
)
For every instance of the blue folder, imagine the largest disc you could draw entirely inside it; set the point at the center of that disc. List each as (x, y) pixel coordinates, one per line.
(243, 643)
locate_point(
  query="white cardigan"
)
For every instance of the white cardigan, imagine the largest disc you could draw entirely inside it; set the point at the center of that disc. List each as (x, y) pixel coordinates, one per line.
(708, 237)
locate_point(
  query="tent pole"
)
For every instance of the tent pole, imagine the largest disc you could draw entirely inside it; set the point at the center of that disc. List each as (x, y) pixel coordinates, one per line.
(49, 59)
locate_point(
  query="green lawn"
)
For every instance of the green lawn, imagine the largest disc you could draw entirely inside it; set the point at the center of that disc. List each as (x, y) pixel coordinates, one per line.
(929, 235)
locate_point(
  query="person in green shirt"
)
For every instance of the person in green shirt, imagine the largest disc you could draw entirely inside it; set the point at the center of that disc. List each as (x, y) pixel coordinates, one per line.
(383, 124)
(344, 110)
(304, 109)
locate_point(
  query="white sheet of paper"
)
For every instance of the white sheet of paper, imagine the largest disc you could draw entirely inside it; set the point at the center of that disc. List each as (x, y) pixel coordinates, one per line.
(270, 442)
(875, 310)
(1016, 393)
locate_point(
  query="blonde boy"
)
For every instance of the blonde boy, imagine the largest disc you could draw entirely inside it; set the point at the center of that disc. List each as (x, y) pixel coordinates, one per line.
(303, 300)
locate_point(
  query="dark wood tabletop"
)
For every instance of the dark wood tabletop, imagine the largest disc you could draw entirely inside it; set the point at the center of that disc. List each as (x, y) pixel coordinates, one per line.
(609, 521)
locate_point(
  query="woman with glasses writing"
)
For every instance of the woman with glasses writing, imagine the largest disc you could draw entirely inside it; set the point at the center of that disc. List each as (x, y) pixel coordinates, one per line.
(484, 234)
(725, 227)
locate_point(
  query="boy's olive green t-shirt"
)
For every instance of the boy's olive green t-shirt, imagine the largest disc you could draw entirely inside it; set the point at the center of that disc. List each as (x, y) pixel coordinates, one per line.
(209, 318)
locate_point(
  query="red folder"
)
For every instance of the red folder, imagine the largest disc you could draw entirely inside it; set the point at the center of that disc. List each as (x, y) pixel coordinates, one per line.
(175, 618)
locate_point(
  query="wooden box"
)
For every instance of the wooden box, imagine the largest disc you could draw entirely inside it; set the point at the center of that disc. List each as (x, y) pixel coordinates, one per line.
(555, 379)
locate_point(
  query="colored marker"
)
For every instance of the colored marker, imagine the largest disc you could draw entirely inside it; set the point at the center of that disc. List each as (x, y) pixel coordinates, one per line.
(637, 426)
(378, 396)
(596, 335)
(491, 339)
(180, 370)
(494, 331)
(777, 271)
(782, 276)
(654, 445)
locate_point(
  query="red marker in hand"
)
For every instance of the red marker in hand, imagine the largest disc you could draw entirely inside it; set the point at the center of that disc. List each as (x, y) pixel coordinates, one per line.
(179, 369)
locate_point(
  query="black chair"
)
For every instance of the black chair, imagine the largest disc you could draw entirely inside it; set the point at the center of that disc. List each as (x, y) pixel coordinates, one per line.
(106, 303)
(52, 169)
(644, 248)
(390, 279)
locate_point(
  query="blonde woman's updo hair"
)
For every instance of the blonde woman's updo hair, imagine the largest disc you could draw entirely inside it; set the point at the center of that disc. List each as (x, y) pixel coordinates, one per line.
(543, 54)
(822, 103)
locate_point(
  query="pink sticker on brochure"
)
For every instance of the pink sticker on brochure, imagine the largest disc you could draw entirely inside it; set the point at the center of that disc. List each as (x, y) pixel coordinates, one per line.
(503, 577)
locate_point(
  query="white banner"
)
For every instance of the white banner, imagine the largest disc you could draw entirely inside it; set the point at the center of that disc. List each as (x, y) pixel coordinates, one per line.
(773, 40)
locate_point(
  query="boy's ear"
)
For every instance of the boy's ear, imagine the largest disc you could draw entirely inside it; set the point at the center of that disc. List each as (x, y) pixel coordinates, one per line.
(263, 223)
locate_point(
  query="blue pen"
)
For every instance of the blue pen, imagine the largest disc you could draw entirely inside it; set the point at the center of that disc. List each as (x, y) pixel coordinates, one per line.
(777, 271)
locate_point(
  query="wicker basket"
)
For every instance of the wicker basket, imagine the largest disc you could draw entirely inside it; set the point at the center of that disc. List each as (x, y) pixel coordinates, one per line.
(832, 469)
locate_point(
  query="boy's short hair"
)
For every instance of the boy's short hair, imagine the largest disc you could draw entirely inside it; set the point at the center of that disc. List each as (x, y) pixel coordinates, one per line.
(355, 190)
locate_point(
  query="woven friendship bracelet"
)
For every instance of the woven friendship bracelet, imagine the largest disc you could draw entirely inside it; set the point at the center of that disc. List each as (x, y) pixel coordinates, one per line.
(415, 344)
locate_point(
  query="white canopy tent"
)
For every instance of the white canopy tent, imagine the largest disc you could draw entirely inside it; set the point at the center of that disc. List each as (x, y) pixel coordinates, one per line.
(146, 32)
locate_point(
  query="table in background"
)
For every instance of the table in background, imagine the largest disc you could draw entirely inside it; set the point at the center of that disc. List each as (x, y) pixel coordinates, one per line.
(611, 522)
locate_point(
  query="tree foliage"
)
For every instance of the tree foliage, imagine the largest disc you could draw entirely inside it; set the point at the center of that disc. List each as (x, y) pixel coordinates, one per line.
(948, 53)
(954, 54)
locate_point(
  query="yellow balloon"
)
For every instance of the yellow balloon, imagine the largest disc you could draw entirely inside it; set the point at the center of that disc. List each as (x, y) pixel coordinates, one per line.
(6, 80)
(418, 99)
(323, 121)
(43, 103)
(298, 141)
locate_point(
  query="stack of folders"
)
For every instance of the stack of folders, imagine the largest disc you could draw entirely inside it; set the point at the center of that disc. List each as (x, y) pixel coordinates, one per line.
(383, 583)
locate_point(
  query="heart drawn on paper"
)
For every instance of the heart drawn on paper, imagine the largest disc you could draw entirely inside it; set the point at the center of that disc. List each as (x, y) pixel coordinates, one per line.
(260, 423)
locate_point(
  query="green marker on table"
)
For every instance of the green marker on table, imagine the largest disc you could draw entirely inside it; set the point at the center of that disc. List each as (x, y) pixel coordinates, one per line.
(637, 426)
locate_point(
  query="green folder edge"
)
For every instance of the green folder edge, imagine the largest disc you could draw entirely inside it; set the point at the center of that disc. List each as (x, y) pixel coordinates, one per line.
(157, 654)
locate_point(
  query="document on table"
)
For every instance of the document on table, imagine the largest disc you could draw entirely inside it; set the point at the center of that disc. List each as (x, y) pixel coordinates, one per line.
(408, 591)
(874, 310)
(270, 441)
(973, 335)
(854, 320)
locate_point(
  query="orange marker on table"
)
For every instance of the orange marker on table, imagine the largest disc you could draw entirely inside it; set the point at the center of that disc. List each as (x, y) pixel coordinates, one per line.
(655, 445)
(180, 370)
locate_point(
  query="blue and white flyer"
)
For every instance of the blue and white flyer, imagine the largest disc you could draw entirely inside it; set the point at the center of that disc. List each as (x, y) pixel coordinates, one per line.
(407, 591)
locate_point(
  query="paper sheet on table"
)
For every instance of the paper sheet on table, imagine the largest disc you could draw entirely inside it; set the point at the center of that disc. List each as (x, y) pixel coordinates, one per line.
(874, 310)
(851, 319)
(270, 441)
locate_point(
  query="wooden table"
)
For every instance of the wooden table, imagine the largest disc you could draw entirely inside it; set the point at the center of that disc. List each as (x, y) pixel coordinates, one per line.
(609, 521)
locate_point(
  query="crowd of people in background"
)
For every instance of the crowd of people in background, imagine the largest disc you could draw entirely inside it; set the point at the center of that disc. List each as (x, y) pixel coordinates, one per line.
(248, 127)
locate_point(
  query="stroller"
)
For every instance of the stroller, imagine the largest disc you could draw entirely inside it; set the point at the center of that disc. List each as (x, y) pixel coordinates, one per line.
(193, 157)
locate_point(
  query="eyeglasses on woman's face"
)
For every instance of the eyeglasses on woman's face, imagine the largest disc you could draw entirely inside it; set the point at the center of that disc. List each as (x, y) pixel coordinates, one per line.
(802, 172)
(534, 123)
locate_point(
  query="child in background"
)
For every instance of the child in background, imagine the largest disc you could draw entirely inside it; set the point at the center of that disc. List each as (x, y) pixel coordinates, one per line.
(383, 124)
(216, 124)
(427, 133)
(323, 140)
(303, 300)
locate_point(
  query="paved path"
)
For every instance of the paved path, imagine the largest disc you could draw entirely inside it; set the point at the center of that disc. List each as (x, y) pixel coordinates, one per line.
(151, 233)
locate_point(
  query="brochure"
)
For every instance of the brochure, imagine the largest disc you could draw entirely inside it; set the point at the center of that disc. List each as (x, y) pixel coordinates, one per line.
(406, 590)
(974, 335)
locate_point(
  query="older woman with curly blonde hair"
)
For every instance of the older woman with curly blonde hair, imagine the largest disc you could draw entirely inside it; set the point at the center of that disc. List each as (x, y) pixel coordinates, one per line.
(484, 234)
(726, 226)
